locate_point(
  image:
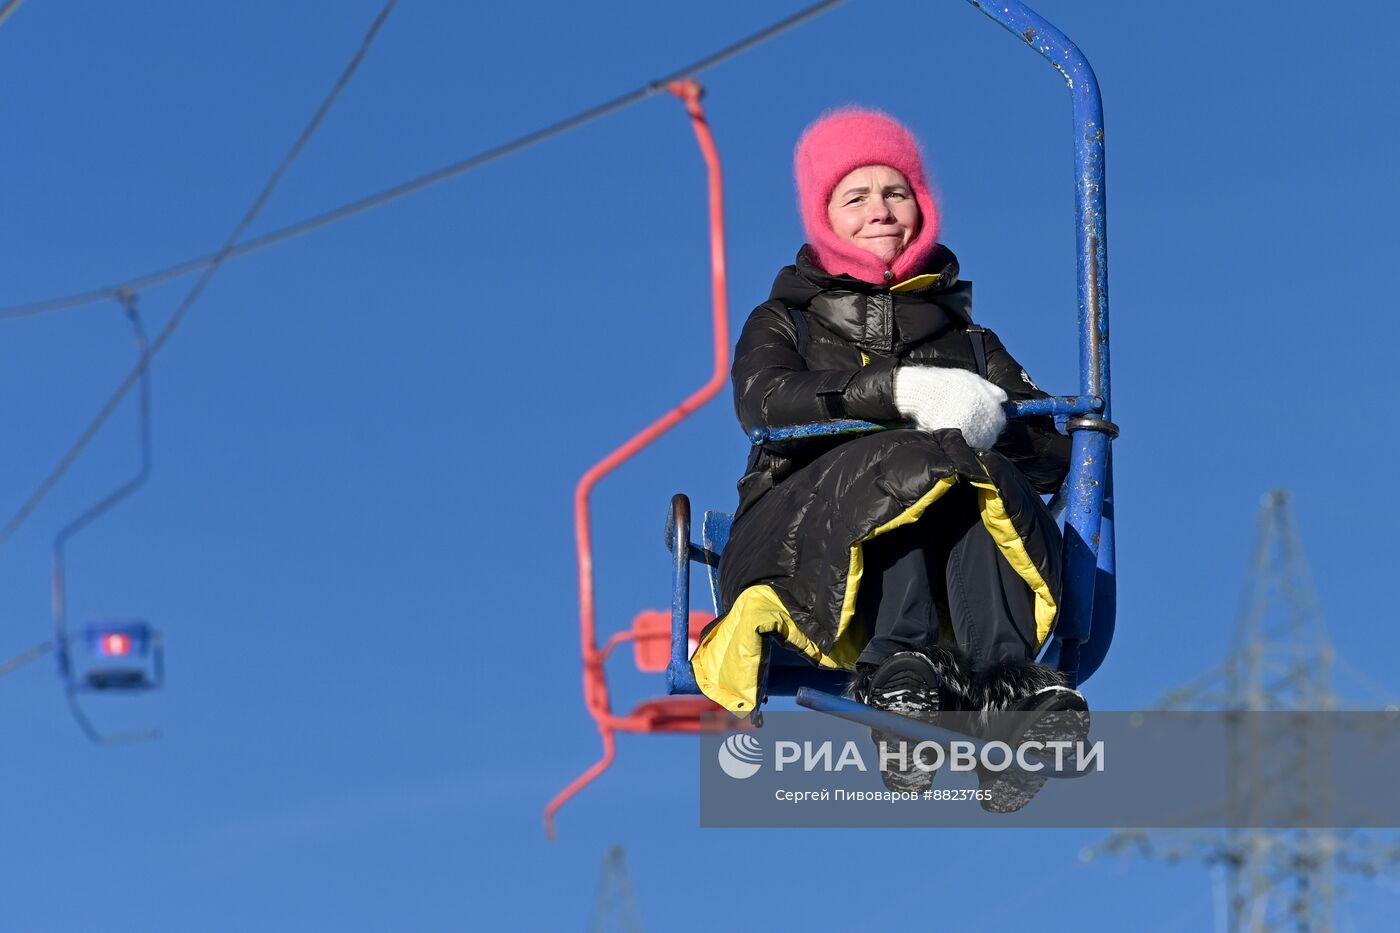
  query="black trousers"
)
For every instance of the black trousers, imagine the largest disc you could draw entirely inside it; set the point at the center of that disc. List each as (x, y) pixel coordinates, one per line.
(942, 580)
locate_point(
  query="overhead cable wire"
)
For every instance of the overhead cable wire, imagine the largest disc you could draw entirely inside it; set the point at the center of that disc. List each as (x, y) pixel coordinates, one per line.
(231, 246)
(194, 293)
(418, 183)
(24, 657)
(9, 7)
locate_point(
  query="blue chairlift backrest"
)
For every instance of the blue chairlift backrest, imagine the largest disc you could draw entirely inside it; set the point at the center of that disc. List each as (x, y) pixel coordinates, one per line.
(128, 657)
(714, 535)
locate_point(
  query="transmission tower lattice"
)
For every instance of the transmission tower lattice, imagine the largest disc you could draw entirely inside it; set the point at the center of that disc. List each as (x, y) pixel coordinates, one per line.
(1281, 658)
(615, 908)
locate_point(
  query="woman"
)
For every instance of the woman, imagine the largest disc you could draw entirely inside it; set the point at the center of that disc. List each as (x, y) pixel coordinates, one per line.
(922, 559)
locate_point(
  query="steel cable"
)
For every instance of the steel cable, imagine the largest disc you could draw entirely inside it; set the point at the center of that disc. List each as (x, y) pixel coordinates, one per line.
(194, 293)
(413, 185)
(233, 248)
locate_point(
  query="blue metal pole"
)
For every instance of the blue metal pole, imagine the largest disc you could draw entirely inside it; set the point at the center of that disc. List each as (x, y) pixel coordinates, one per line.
(1091, 432)
(956, 727)
(1025, 408)
(680, 677)
(1095, 647)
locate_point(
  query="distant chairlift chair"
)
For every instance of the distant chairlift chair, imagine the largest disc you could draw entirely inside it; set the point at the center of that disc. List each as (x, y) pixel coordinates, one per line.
(116, 657)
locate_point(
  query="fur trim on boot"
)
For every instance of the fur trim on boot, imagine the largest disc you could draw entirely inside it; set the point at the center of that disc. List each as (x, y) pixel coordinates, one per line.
(1006, 683)
(859, 687)
(1037, 705)
(959, 690)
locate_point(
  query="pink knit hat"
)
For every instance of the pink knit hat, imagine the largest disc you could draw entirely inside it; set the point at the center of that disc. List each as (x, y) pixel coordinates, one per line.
(836, 144)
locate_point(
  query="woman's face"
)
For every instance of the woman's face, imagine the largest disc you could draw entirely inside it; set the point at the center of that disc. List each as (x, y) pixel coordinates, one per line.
(874, 208)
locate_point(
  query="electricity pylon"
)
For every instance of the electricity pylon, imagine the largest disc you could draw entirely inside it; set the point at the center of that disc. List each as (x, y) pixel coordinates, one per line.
(615, 908)
(1280, 659)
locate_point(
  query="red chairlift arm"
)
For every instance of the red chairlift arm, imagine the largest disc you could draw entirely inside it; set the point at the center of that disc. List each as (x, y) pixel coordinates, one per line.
(594, 682)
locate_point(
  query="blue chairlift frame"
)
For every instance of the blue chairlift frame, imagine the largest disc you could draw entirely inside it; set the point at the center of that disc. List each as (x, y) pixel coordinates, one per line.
(1084, 629)
(145, 668)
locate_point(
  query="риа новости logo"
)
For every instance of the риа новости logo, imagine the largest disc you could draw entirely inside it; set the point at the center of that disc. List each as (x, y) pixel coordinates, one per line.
(741, 756)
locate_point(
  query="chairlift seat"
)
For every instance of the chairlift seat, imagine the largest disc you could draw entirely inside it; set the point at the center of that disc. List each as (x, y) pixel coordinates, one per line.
(784, 670)
(126, 656)
(117, 678)
(681, 714)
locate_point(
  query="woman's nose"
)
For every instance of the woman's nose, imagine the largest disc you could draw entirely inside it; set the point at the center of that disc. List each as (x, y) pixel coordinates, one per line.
(879, 211)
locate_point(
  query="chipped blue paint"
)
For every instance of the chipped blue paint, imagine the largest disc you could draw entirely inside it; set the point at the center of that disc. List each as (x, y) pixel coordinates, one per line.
(1089, 546)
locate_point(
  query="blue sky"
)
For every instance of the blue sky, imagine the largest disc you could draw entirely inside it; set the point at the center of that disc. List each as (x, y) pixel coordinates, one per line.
(357, 538)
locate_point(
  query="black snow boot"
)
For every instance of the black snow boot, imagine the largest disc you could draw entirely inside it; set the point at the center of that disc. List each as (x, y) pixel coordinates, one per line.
(1040, 707)
(918, 684)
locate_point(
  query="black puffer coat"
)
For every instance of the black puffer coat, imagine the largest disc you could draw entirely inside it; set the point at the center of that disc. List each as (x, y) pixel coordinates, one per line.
(794, 559)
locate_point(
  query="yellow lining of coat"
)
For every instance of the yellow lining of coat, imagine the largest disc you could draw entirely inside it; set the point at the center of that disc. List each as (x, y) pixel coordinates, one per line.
(918, 283)
(845, 632)
(998, 522)
(727, 660)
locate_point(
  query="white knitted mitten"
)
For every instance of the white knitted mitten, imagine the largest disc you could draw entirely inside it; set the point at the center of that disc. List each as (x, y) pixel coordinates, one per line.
(937, 398)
